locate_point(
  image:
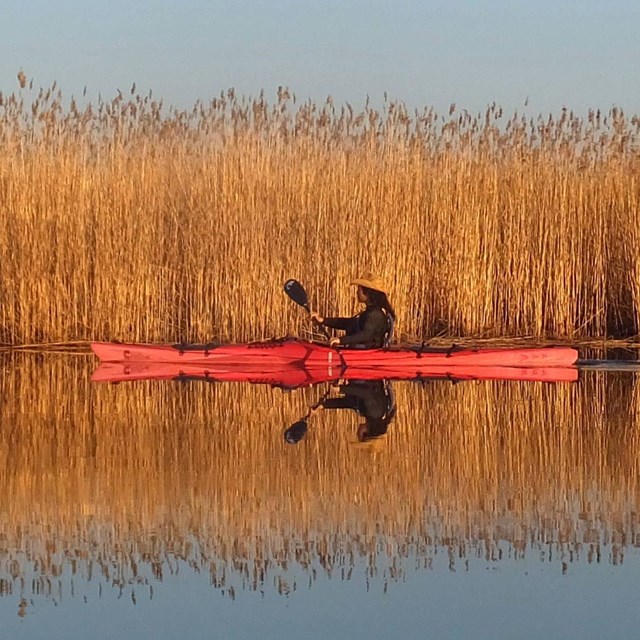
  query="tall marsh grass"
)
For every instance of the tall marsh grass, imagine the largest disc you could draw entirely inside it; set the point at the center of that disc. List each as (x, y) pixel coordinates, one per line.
(127, 220)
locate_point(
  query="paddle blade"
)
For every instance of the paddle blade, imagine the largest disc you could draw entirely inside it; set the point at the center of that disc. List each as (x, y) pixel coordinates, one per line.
(296, 292)
(295, 432)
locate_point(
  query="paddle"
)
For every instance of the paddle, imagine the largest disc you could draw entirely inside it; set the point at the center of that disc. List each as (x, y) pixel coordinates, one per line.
(298, 294)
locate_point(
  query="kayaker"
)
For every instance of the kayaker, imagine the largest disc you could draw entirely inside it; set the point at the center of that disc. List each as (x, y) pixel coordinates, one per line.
(372, 328)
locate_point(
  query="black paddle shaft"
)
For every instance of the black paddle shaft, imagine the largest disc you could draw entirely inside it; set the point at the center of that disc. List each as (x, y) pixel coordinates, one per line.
(298, 294)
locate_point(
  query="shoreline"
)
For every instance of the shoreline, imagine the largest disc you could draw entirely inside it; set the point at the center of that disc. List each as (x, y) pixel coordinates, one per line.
(83, 347)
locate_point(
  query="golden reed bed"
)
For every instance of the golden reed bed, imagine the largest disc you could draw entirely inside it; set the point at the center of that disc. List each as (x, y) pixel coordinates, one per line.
(119, 483)
(126, 220)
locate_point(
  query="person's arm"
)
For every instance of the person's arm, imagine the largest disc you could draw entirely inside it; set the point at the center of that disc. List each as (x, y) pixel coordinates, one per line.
(340, 403)
(375, 322)
(340, 323)
(345, 324)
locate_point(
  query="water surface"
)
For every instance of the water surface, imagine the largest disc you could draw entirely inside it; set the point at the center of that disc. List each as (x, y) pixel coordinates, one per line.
(489, 509)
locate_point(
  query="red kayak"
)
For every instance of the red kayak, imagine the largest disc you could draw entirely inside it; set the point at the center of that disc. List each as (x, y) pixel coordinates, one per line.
(294, 377)
(285, 353)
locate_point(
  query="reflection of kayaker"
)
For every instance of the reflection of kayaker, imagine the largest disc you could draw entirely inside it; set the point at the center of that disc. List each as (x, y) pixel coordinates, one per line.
(372, 399)
(371, 328)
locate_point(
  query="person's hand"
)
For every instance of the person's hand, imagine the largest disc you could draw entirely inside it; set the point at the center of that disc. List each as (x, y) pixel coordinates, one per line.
(316, 317)
(334, 342)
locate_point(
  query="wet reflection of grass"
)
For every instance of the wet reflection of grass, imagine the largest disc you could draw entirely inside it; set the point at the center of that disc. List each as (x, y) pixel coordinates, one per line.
(122, 483)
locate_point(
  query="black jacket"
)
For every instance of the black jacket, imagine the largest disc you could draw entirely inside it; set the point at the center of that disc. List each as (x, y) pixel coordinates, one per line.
(370, 329)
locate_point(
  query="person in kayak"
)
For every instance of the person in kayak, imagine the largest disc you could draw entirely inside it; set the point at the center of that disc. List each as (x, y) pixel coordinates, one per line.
(372, 328)
(371, 399)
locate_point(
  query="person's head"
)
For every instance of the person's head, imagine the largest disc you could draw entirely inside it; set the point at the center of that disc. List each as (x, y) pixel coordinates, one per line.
(372, 290)
(371, 429)
(374, 428)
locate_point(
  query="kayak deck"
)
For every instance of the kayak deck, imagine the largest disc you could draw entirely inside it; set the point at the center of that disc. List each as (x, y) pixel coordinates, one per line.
(276, 354)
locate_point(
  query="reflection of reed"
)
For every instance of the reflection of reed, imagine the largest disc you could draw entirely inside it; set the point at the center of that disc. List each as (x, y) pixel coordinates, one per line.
(122, 482)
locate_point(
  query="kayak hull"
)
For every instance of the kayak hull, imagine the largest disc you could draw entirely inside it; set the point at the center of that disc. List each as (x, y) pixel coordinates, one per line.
(276, 354)
(295, 377)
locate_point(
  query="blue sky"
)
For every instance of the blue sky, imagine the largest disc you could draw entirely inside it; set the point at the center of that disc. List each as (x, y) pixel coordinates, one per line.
(579, 53)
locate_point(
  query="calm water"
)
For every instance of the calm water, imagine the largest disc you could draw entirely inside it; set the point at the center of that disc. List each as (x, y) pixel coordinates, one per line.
(164, 509)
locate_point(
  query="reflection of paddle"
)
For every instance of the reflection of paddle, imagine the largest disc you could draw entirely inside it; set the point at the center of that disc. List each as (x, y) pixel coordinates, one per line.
(298, 294)
(297, 430)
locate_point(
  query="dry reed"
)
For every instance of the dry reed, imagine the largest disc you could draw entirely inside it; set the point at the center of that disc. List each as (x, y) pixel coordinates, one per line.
(125, 220)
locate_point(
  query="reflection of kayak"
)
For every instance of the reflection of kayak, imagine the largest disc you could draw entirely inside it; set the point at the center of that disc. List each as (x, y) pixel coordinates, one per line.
(276, 354)
(293, 377)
